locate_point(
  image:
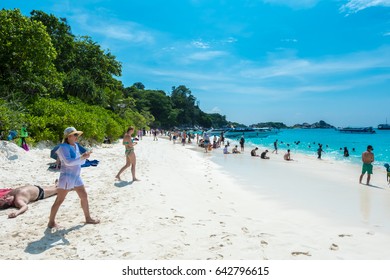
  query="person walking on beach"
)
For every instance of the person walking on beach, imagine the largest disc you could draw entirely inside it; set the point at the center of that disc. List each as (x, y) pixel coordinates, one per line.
(130, 155)
(367, 159)
(70, 179)
(275, 147)
(155, 135)
(21, 196)
(206, 141)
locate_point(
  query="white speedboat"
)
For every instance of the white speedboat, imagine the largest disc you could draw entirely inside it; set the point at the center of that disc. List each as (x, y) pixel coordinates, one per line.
(216, 131)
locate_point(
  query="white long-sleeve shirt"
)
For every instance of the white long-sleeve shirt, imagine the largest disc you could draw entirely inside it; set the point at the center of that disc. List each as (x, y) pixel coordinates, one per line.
(70, 166)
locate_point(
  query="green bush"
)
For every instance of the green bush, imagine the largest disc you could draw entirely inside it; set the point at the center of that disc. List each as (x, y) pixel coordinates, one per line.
(47, 119)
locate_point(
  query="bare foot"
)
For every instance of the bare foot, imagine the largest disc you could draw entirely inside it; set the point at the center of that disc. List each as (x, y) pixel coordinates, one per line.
(92, 221)
(53, 225)
(135, 179)
(117, 178)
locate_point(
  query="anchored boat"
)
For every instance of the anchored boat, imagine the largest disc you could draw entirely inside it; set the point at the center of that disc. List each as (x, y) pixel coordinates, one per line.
(365, 130)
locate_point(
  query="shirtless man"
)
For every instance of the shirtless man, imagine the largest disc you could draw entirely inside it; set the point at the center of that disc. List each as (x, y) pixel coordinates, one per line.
(22, 196)
(367, 158)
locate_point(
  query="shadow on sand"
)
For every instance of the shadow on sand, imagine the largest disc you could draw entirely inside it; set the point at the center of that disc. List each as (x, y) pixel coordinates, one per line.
(50, 239)
(122, 184)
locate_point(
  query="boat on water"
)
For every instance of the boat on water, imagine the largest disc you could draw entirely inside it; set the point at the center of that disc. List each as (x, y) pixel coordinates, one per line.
(216, 131)
(384, 126)
(249, 132)
(365, 130)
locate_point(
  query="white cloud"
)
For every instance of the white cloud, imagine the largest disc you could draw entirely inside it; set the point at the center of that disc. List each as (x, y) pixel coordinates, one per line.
(200, 44)
(119, 30)
(299, 68)
(354, 6)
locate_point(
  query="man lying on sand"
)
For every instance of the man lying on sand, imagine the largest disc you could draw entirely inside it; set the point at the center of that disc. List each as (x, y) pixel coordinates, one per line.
(22, 196)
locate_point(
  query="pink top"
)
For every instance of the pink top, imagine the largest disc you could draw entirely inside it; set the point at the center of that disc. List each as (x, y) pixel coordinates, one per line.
(4, 192)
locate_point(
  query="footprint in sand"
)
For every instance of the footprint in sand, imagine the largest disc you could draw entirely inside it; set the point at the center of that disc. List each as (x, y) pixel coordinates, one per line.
(263, 243)
(217, 257)
(334, 247)
(245, 230)
(301, 253)
(345, 235)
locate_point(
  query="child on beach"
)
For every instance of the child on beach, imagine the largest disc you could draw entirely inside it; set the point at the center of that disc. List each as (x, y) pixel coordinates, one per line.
(225, 150)
(287, 156)
(387, 166)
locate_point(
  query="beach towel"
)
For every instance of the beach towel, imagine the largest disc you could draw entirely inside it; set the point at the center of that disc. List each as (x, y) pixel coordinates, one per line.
(4, 192)
(89, 163)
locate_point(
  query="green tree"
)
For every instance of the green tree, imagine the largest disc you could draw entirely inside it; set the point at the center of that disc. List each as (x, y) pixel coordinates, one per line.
(27, 55)
(92, 73)
(61, 38)
(183, 100)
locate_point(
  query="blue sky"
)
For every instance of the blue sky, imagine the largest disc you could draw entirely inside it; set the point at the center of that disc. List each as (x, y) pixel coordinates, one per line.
(291, 61)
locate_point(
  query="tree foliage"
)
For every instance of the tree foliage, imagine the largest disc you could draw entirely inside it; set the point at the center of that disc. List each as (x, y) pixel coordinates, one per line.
(27, 55)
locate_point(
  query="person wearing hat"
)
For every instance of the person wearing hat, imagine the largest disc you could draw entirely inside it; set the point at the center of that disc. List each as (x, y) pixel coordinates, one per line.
(368, 159)
(71, 161)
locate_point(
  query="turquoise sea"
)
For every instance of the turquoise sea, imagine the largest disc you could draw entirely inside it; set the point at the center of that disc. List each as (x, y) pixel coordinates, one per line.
(333, 143)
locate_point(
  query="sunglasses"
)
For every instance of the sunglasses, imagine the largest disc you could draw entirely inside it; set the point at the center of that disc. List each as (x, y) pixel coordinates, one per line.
(76, 135)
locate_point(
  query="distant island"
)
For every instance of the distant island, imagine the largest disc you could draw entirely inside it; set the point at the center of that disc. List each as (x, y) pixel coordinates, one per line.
(279, 125)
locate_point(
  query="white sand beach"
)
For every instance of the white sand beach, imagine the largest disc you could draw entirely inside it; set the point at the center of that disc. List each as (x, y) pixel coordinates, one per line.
(191, 205)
